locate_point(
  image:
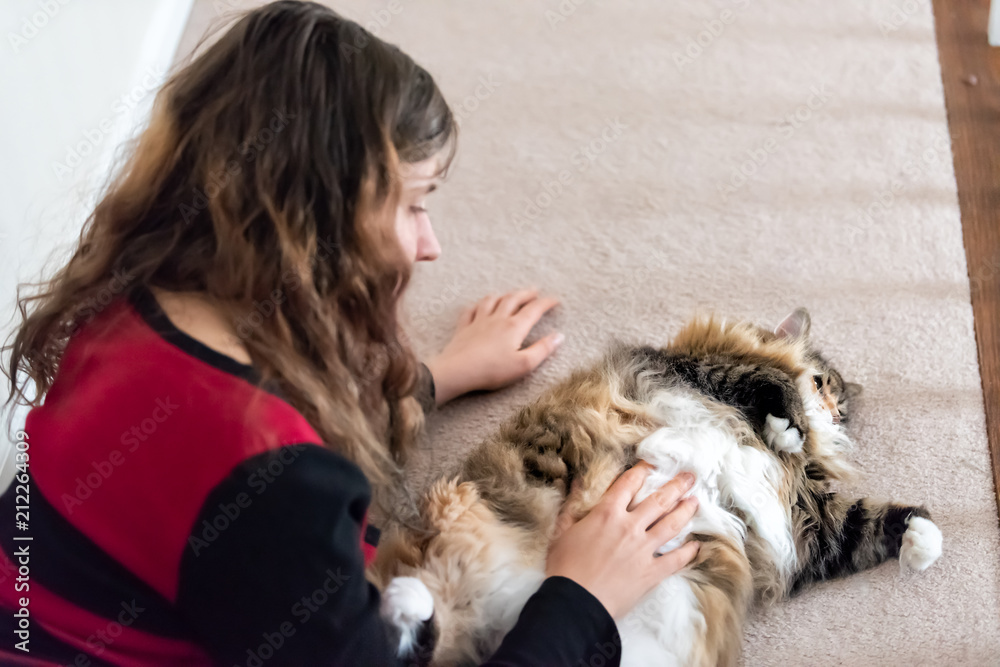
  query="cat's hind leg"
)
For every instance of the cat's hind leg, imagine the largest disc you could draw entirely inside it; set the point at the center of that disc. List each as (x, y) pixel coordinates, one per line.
(408, 608)
(840, 536)
(921, 546)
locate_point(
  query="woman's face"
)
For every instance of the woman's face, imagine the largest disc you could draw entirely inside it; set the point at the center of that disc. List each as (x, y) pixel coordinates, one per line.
(413, 224)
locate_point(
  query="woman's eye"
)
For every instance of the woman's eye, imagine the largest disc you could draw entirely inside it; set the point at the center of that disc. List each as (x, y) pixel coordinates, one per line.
(418, 209)
(818, 379)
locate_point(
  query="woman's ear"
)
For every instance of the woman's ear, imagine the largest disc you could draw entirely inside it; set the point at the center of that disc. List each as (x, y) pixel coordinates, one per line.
(796, 325)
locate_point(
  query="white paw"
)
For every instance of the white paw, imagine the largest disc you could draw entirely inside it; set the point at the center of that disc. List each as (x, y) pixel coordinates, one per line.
(921, 544)
(406, 603)
(781, 436)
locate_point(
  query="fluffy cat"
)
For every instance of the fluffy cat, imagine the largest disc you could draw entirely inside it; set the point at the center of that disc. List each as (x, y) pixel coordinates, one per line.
(756, 415)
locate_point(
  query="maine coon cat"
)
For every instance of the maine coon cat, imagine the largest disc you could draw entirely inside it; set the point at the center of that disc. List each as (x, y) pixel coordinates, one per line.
(758, 417)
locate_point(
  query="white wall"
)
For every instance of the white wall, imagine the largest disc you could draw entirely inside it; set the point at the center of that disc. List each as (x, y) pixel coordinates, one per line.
(76, 78)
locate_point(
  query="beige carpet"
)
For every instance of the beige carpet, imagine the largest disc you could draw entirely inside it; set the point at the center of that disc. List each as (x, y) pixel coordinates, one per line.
(652, 109)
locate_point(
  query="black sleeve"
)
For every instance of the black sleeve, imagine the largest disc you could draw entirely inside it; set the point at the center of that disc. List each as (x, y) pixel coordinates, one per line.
(273, 574)
(274, 565)
(425, 392)
(562, 624)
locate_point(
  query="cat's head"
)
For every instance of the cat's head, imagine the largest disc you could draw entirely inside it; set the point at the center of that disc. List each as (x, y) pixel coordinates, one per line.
(835, 394)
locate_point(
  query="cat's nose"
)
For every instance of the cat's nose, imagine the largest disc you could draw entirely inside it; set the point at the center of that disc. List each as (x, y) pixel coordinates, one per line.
(830, 404)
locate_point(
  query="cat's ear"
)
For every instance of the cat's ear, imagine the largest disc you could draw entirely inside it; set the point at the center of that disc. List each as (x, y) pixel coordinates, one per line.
(852, 390)
(848, 400)
(795, 326)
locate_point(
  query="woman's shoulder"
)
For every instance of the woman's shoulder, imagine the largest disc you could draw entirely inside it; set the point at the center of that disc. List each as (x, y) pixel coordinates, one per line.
(134, 366)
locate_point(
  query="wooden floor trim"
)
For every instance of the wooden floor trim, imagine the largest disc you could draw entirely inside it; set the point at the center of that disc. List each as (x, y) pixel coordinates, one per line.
(970, 69)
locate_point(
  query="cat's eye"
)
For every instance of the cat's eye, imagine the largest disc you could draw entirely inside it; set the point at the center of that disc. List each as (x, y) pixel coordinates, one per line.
(818, 379)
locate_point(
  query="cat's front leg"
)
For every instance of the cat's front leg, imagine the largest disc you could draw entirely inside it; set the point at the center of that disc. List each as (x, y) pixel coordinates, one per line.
(772, 397)
(783, 435)
(768, 397)
(408, 607)
(842, 536)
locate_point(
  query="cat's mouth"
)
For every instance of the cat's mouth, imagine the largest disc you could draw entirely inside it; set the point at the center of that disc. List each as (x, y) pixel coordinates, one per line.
(830, 403)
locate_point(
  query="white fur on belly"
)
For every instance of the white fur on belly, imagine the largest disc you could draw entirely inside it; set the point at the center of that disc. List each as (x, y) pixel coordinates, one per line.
(660, 629)
(511, 586)
(729, 475)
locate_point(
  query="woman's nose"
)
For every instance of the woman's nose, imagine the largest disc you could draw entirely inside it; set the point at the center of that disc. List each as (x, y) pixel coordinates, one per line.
(428, 248)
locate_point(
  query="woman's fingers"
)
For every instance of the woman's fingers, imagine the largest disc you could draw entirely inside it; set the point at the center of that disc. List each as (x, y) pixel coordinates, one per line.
(670, 526)
(662, 500)
(532, 311)
(468, 313)
(623, 490)
(512, 302)
(535, 354)
(676, 560)
(565, 519)
(486, 305)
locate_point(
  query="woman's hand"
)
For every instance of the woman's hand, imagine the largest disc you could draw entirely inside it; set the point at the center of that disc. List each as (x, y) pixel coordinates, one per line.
(485, 352)
(610, 552)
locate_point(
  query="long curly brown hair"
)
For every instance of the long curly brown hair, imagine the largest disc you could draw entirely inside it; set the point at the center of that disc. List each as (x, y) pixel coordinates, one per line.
(270, 165)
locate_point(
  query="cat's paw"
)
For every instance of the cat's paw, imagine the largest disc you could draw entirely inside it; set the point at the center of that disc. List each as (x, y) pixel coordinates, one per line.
(921, 544)
(781, 435)
(407, 604)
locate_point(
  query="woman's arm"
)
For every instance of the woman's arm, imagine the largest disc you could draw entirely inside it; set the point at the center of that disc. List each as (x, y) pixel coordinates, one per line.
(561, 624)
(598, 569)
(274, 567)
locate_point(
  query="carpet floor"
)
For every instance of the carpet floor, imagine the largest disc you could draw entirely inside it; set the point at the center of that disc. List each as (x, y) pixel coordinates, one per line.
(645, 161)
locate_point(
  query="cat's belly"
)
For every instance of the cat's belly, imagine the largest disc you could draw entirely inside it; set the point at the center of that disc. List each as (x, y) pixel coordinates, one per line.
(729, 476)
(504, 600)
(668, 627)
(664, 627)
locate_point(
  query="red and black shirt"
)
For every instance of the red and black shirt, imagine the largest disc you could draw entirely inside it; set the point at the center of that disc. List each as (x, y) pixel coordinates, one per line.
(181, 514)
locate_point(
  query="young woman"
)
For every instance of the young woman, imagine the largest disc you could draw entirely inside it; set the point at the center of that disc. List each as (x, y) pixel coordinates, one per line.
(223, 388)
